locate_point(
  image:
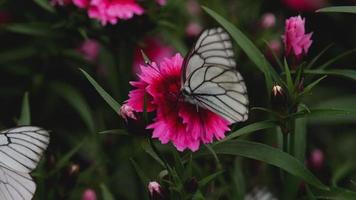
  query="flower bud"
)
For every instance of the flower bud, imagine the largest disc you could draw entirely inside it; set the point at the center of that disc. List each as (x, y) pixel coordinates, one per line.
(268, 20)
(155, 191)
(89, 194)
(278, 98)
(316, 159)
(191, 185)
(126, 112)
(70, 175)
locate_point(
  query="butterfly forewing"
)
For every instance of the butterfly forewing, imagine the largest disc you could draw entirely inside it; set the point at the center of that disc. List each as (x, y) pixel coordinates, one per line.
(21, 149)
(210, 78)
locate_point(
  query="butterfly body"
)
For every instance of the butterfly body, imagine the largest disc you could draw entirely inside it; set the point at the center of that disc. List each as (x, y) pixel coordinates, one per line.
(210, 79)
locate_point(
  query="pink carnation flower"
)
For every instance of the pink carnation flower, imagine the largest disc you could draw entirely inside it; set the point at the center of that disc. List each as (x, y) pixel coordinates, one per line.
(295, 39)
(176, 121)
(110, 11)
(154, 49)
(89, 194)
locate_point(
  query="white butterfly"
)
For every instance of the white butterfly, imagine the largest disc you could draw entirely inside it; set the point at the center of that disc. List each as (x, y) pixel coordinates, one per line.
(21, 149)
(210, 78)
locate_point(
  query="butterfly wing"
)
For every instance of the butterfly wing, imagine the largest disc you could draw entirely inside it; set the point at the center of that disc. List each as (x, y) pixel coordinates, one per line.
(15, 185)
(21, 148)
(210, 78)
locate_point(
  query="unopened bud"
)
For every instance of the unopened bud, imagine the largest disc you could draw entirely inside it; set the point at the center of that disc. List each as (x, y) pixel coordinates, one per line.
(316, 159)
(191, 185)
(126, 112)
(278, 98)
(155, 191)
(89, 194)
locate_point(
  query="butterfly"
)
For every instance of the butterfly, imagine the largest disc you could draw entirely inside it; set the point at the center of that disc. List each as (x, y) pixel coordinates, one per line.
(210, 79)
(21, 149)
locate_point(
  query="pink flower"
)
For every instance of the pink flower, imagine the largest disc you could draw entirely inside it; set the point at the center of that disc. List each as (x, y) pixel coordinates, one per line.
(193, 7)
(89, 194)
(316, 159)
(176, 121)
(305, 5)
(295, 40)
(268, 20)
(161, 2)
(89, 49)
(155, 189)
(127, 111)
(193, 29)
(110, 11)
(155, 50)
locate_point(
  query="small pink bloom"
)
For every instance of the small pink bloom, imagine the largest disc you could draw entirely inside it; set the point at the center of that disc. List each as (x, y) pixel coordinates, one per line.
(81, 3)
(176, 121)
(89, 194)
(274, 47)
(127, 111)
(296, 41)
(268, 20)
(110, 11)
(316, 159)
(161, 2)
(155, 189)
(193, 29)
(60, 2)
(193, 7)
(305, 5)
(155, 50)
(89, 49)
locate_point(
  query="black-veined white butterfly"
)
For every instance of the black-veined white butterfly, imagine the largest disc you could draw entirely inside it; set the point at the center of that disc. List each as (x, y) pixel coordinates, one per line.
(21, 149)
(210, 78)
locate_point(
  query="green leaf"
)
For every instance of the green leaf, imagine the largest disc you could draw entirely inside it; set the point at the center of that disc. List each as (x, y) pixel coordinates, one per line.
(77, 101)
(106, 194)
(270, 155)
(32, 29)
(340, 9)
(109, 100)
(144, 179)
(347, 73)
(316, 58)
(25, 116)
(45, 5)
(66, 157)
(248, 47)
(335, 194)
(288, 77)
(209, 178)
(147, 148)
(336, 58)
(311, 86)
(115, 132)
(249, 129)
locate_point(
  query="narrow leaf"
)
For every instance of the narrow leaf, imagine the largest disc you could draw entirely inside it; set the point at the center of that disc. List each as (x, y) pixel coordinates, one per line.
(271, 156)
(249, 129)
(25, 116)
(109, 100)
(209, 178)
(341, 9)
(45, 5)
(347, 73)
(106, 194)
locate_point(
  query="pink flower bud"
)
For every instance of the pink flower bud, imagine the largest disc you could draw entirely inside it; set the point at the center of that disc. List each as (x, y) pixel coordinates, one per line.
(89, 194)
(126, 112)
(296, 41)
(155, 190)
(268, 20)
(193, 29)
(89, 49)
(316, 159)
(161, 2)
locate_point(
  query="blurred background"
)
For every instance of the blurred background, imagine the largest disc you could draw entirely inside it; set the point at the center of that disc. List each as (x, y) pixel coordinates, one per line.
(44, 43)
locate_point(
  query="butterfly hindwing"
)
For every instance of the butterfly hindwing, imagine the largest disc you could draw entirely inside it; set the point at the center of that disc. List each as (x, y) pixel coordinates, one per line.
(210, 78)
